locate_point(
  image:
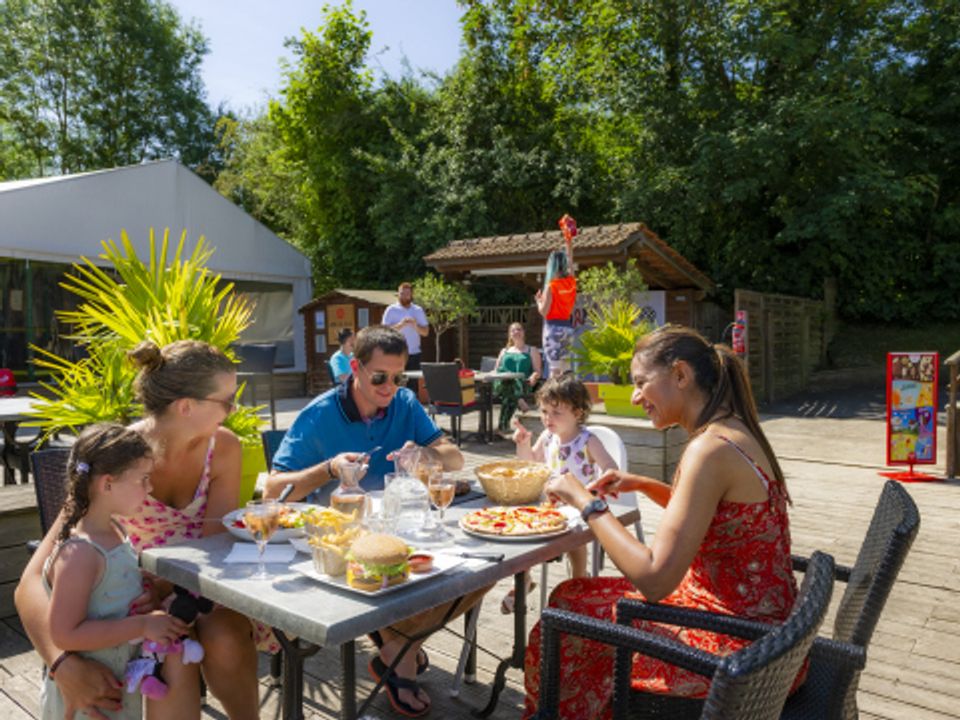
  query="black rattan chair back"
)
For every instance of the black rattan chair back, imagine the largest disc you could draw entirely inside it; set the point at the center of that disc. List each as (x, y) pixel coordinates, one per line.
(443, 383)
(271, 443)
(893, 528)
(753, 684)
(50, 482)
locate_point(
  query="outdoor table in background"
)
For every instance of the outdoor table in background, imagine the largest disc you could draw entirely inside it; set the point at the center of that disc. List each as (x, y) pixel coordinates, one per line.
(13, 411)
(297, 606)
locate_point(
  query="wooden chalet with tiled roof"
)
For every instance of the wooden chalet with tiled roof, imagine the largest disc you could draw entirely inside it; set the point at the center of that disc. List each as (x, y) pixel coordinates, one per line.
(523, 256)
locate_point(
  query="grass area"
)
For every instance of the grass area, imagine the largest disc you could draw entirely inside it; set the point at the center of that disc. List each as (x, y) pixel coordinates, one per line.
(868, 345)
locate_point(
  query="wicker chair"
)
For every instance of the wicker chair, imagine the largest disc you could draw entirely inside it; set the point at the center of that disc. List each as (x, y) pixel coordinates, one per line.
(49, 468)
(271, 443)
(830, 692)
(831, 688)
(751, 684)
(446, 395)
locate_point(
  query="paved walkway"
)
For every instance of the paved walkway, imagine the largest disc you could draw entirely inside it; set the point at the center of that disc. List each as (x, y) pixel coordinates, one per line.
(831, 461)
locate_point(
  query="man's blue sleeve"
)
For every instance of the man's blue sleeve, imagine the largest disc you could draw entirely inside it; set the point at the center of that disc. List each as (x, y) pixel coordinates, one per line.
(300, 448)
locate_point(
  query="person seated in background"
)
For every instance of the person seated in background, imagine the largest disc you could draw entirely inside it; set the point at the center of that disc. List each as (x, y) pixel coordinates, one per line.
(517, 357)
(340, 360)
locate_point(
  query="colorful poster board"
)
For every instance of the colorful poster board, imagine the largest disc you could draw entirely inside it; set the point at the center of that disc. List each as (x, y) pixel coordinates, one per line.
(338, 318)
(912, 408)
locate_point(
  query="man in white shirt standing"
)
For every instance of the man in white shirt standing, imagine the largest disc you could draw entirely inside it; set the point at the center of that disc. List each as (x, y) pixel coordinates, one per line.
(410, 319)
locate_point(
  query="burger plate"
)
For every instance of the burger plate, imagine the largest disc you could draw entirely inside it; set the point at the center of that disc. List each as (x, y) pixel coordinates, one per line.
(441, 563)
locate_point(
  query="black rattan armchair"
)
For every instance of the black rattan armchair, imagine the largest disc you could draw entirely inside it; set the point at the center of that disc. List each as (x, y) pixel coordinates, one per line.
(751, 684)
(50, 485)
(447, 395)
(271, 443)
(830, 692)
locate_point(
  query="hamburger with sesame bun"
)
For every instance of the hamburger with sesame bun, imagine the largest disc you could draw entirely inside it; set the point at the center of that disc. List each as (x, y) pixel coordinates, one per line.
(377, 561)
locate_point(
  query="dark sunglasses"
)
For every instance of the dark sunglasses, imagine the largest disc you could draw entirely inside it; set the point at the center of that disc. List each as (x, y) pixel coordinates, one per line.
(228, 405)
(379, 377)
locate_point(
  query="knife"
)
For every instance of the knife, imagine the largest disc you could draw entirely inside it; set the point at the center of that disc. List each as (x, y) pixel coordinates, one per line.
(492, 557)
(285, 493)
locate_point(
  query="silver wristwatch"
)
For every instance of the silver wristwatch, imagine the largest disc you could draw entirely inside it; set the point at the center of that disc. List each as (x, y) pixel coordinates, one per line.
(594, 507)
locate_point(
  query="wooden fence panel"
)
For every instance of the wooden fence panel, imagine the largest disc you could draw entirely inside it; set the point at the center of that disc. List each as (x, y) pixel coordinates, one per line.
(786, 338)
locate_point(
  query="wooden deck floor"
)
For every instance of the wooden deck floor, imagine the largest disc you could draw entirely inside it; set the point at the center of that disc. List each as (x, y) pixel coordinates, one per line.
(913, 669)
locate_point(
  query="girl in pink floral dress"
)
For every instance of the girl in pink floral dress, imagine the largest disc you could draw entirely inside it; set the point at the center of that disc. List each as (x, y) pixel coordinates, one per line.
(723, 543)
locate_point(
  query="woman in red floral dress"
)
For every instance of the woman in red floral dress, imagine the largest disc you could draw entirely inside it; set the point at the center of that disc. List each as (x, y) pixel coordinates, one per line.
(723, 543)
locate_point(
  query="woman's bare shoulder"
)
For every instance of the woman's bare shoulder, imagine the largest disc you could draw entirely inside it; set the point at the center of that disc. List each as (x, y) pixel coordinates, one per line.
(227, 443)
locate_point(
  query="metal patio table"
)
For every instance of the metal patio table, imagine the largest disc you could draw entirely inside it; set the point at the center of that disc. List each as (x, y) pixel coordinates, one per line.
(298, 607)
(13, 411)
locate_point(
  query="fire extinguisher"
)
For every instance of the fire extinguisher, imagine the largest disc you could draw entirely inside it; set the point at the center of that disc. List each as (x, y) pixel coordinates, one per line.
(739, 341)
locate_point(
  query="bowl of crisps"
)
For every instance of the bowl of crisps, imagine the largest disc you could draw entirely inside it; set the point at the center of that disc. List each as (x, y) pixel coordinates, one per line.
(513, 482)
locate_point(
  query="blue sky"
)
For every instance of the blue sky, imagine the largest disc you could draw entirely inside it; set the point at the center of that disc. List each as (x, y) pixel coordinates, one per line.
(246, 40)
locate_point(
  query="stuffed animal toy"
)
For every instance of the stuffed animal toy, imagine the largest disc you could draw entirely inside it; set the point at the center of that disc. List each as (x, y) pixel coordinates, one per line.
(145, 672)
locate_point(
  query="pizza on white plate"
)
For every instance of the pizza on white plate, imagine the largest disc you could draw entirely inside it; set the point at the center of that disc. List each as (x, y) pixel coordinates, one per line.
(515, 521)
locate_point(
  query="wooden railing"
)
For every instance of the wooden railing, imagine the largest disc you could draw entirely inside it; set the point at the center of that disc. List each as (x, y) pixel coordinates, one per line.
(953, 432)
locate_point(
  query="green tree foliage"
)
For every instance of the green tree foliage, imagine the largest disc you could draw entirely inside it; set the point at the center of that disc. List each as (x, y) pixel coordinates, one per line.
(91, 85)
(774, 144)
(604, 284)
(444, 304)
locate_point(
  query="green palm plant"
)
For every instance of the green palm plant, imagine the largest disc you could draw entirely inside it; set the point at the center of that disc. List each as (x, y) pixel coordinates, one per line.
(167, 298)
(607, 347)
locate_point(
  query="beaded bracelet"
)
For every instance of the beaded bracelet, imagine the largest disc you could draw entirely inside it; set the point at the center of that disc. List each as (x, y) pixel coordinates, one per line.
(58, 662)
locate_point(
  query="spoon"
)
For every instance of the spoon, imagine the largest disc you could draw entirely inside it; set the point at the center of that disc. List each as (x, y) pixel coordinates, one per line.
(365, 458)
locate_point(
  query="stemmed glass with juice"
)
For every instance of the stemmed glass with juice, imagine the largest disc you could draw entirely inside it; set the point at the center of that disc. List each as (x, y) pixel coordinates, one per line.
(261, 518)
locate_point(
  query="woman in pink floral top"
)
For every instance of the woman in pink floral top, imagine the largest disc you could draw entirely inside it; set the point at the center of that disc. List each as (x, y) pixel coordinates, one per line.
(187, 390)
(723, 543)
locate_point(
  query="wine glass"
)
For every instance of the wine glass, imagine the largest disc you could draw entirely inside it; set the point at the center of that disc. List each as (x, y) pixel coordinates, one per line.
(262, 519)
(442, 487)
(427, 471)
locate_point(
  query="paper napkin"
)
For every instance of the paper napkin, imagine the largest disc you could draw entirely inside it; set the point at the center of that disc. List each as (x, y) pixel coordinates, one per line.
(243, 552)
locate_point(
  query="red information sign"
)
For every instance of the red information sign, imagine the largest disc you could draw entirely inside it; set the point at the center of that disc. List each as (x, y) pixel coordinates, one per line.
(912, 408)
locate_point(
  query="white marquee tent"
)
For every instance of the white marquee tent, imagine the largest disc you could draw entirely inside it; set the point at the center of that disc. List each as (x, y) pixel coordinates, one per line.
(58, 219)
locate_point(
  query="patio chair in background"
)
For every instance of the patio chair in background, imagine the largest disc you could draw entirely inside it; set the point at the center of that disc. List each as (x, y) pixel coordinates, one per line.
(256, 365)
(751, 684)
(271, 443)
(50, 485)
(447, 395)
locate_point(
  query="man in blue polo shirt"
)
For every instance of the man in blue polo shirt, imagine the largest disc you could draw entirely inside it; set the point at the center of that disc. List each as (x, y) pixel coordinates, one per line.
(370, 409)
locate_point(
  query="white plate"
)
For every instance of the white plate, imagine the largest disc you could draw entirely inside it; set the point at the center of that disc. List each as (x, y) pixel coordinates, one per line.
(280, 536)
(441, 563)
(302, 545)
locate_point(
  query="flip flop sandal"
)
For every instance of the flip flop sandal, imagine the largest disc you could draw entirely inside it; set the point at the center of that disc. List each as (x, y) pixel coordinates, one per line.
(394, 684)
(510, 599)
(423, 660)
